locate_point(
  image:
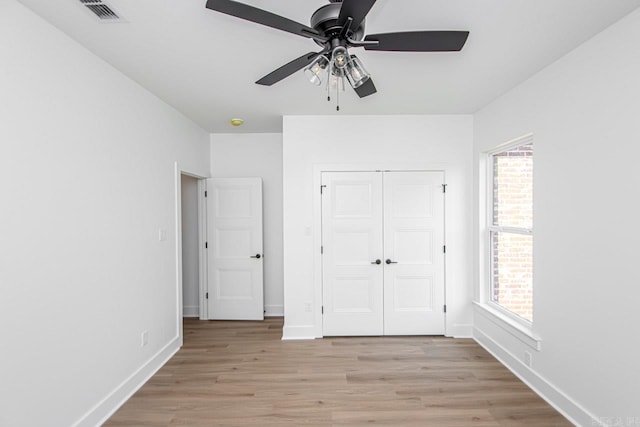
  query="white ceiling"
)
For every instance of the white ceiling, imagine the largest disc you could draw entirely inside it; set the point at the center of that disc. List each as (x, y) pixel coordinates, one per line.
(205, 63)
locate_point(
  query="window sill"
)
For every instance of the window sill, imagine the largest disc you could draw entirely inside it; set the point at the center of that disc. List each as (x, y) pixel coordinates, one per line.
(521, 332)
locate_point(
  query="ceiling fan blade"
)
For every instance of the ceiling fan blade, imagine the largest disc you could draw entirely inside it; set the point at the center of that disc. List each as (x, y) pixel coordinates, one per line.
(419, 41)
(365, 89)
(356, 10)
(288, 69)
(260, 16)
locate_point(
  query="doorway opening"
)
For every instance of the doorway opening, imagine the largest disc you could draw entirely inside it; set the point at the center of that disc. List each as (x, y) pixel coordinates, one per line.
(190, 246)
(190, 229)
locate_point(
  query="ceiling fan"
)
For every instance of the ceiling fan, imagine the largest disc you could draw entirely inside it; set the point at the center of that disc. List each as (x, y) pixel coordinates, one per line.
(336, 27)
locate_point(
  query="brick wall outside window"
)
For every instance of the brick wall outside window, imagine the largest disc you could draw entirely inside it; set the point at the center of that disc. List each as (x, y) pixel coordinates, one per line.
(512, 263)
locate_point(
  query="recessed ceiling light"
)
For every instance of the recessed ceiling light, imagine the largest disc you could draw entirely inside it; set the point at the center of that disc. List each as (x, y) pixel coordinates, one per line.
(237, 122)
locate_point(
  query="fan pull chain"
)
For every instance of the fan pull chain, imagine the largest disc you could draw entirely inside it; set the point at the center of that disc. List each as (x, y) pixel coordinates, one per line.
(339, 80)
(329, 82)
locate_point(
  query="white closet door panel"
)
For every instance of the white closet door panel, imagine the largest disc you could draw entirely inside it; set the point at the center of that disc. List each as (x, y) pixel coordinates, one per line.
(414, 244)
(352, 240)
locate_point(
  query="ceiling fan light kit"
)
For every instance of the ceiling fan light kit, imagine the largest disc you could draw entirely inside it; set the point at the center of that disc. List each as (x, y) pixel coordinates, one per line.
(336, 27)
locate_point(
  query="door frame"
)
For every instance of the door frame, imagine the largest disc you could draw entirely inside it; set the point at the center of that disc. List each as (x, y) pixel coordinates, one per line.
(202, 268)
(318, 169)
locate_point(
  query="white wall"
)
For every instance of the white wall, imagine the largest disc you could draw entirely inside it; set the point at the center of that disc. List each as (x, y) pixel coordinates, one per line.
(190, 252)
(313, 143)
(583, 111)
(86, 181)
(244, 155)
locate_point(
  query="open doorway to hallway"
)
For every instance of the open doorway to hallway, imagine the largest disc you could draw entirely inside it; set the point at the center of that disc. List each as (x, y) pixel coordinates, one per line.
(190, 247)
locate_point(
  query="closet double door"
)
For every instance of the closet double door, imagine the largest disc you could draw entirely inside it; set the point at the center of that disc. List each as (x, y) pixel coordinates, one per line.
(383, 253)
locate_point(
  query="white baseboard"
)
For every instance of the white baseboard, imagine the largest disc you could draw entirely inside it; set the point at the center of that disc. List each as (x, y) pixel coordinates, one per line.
(109, 404)
(191, 311)
(299, 332)
(460, 330)
(274, 310)
(569, 408)
(309, 332)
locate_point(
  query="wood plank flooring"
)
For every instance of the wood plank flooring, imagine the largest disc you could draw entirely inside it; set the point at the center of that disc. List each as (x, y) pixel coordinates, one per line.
(242, 374)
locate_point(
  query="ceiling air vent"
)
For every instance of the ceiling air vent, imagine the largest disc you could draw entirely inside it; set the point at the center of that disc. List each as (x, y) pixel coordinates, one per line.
(101, 10)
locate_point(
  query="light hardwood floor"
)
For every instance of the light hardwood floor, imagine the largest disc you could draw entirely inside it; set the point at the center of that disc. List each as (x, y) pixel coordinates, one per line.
(242, 374)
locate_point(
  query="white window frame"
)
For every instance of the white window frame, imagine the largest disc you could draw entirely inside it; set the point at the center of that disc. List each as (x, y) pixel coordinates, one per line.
(486, 297)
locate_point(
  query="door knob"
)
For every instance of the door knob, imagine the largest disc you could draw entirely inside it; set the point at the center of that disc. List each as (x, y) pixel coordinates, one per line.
(256, 256)
(377, 262)
(391, 262)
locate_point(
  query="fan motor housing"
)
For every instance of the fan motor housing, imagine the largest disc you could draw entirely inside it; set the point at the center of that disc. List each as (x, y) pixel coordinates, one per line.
(325, 20)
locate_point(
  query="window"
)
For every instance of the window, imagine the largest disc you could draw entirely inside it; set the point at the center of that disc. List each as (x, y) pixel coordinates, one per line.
(511, 229)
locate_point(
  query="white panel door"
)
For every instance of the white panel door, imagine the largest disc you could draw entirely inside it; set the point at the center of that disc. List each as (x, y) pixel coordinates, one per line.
(234, 240)
(414, 253)
(383, 253)
(352, 242)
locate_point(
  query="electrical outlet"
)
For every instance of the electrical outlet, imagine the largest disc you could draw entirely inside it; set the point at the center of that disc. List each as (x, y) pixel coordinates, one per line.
(527, 358)
(144, 339)
(307, 306)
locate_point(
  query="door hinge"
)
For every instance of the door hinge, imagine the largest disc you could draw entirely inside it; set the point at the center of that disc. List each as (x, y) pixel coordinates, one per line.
(322, 187)
(206, 296)
(206, 245)
(445, 308)
(444, 188)
(205, 193)
(322, 309)
(321, 249)
(444, 249)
